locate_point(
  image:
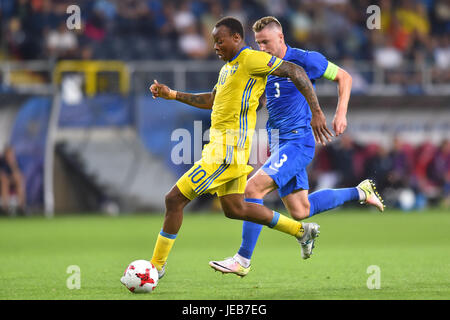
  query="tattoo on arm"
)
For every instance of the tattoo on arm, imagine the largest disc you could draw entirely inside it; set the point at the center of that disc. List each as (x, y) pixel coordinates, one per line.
(199, 100)
(301, 80)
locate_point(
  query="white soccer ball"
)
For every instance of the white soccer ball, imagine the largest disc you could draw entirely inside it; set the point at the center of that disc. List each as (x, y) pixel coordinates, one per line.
(140, 276)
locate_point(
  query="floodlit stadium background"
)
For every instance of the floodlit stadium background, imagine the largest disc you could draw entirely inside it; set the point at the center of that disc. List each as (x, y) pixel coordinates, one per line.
(88, 136)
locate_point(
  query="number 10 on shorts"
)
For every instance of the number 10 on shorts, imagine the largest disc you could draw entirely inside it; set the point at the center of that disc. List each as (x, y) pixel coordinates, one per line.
(197, 175)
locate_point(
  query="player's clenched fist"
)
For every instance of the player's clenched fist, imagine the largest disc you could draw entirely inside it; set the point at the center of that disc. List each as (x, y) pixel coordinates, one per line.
(162, 91)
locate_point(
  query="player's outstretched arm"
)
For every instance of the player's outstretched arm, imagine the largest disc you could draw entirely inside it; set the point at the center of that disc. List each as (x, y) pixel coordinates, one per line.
(344, 82)
(198, 100)
(301, 80)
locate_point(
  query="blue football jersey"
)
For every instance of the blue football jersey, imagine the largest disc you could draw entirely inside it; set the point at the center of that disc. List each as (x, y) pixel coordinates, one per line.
(288, 110)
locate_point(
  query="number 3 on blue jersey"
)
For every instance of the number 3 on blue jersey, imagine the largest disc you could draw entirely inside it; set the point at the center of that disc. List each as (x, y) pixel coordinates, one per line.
(280, 163)
(277, 89)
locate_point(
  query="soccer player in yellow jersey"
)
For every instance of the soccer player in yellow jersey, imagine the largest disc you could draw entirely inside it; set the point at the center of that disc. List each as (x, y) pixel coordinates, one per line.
(223, 168)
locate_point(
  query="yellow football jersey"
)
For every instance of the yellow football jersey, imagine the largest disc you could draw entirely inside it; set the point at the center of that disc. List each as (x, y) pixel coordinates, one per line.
(223, 168)
(241, 82)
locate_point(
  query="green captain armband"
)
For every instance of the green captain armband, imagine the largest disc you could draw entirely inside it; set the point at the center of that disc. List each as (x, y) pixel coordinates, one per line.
(331, 71)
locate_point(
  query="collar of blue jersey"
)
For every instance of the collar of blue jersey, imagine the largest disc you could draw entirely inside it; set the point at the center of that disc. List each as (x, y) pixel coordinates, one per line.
(246, 47)
(287, 51)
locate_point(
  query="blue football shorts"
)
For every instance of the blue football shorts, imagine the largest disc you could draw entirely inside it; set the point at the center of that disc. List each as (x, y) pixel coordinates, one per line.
(287, 164)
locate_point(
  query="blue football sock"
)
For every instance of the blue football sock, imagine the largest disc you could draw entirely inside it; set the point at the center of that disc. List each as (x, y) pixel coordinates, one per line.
(327, 199)
(320, 201)
(250, 233)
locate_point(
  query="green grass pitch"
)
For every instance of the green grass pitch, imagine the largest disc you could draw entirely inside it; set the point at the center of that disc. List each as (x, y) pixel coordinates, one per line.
(412, 251)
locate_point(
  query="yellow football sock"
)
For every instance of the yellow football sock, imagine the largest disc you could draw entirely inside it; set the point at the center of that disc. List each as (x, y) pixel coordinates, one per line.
(162, 249)
(287, 225)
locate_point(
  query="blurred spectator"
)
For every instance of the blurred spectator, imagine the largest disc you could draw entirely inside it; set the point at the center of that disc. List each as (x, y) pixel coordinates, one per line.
(440, 17)
(439, 169)
(442, 52)
(441, 55)
(11, 181)
(402, 161)
(386, 55)
(165, 21)
(378, 166)
(397, 34)
(133, 18)
(342, 158)
(22, 9)
(386, 17)
(277, 8)
(301, 23)
(338, 24)
(210, 18)
(107, 8)
(61, 42)
(184, 17)
(95, 28)
(412, 16)
(359, 82)
(236, 9)
(193, 44)
(15, 37)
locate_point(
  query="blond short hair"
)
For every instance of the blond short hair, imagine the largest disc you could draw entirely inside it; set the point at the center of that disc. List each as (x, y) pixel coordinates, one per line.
(264, 22)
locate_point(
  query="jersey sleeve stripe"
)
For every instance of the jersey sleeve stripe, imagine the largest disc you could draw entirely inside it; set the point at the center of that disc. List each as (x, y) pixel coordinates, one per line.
(244, 115)
(246, 112)
(276, 66)
(243, 106)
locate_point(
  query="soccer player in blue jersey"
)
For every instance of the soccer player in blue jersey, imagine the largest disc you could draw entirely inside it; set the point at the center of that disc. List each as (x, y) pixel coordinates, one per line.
(292, 144)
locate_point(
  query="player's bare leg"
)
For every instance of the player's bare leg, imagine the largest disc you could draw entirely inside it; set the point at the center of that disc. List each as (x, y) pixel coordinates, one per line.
(235, 207)
(297, 204)
(259, 185)
(175, 203)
